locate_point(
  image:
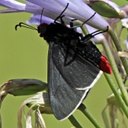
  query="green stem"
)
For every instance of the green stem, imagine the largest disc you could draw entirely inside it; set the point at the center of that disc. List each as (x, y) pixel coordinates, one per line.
(74, 122)
(117, 95)
(105, 117)
(84, 30)
(116, 72)
(118, 47)
(83, 109)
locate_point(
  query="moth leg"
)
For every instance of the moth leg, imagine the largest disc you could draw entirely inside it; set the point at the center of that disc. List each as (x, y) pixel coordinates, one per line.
(72, 23)
(61, 20)
(61, 14)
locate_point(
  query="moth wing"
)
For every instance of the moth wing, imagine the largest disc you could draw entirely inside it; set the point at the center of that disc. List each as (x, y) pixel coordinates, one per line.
(68, 85)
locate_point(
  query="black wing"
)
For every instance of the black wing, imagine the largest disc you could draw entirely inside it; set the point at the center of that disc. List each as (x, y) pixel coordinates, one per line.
(68, 85)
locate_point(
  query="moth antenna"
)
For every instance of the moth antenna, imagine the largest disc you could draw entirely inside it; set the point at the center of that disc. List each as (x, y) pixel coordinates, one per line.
(41, 15)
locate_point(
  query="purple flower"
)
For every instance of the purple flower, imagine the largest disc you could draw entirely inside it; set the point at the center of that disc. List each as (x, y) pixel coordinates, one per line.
(77, 9)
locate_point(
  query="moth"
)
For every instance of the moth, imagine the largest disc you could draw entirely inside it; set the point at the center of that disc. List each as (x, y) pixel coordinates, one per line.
(74, 65)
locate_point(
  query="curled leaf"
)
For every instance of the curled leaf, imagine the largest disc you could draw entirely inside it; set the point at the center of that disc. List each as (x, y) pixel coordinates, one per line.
(38, 104)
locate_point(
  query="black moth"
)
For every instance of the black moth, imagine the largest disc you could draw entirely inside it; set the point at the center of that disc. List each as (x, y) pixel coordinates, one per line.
(74, 65)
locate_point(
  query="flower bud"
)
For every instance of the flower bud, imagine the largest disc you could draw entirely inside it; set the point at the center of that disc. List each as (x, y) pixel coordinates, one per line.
(19, 87)
(107, 8)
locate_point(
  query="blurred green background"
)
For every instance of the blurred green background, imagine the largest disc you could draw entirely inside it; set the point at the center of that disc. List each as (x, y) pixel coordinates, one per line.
(23, 54)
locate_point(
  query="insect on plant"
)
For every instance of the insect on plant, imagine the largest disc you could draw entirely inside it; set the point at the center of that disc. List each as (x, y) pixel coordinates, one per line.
(74, 65)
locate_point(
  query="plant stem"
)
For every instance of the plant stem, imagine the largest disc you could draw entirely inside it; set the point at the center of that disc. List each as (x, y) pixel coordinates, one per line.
(117, 95)
(83, 109)
(115, 70)
(114, 66)
(105, 117)
(74, 122)
(118, 47)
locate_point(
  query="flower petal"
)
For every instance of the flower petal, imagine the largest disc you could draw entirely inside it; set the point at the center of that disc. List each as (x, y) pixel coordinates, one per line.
(13, 4)
(76, 9)
(38, 19)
